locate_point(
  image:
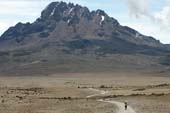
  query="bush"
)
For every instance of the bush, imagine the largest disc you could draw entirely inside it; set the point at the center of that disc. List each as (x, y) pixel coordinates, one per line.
(102, 86)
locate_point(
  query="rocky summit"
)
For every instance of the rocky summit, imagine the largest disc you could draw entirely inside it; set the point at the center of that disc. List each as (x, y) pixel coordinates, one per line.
(70, 38)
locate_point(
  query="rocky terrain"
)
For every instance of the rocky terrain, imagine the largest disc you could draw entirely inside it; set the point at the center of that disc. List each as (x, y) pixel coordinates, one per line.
(70, 38)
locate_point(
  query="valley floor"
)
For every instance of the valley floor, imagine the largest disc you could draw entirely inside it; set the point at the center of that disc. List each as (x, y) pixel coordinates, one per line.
(80, 93)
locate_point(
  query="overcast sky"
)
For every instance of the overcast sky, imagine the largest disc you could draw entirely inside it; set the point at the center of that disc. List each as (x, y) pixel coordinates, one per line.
(150, 17)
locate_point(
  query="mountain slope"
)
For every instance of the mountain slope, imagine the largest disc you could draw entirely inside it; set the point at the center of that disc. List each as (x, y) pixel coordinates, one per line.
(68, 36)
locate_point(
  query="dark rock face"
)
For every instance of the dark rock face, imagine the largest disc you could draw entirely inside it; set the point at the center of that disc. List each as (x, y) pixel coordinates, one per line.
(167, 46)
(68, 32)
(61, 22)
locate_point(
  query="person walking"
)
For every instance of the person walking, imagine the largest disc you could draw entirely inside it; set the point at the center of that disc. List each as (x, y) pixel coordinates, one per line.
(126, 105)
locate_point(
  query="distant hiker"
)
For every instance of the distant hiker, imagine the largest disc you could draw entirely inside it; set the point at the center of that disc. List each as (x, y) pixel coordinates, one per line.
(126, 105)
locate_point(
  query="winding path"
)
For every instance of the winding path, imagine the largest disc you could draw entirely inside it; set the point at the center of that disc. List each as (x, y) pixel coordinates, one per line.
(120, 105)
(98, 92)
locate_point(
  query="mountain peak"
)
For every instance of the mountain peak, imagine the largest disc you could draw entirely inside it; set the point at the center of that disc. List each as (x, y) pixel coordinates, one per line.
(61, 10)
(67, 21)
(67, 36)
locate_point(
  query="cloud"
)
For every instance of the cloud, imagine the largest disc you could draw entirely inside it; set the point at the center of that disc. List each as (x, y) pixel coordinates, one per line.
(163, 16)
(142, 8)
(138, 8)
(152, 17)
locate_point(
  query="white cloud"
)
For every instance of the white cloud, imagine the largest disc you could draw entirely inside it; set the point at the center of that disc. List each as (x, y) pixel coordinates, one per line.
(163, 17)
(138, 7)
(159, 26)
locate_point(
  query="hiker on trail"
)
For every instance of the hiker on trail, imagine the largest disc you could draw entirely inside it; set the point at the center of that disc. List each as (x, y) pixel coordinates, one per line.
(126, 105)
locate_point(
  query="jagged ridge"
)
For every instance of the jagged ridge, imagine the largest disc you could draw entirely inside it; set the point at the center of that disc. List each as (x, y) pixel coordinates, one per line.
(67, 36)
(78, 17)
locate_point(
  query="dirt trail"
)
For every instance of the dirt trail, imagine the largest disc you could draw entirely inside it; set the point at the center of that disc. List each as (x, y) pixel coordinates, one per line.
(98, 92)
(121, 108)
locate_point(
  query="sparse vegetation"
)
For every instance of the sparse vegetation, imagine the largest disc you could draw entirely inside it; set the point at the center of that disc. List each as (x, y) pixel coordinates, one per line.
(104, 86)
(2, 101)
(65, 94)
(140, 89)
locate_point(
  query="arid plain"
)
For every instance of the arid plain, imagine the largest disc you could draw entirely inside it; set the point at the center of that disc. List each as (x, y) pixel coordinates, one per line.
(70, 93)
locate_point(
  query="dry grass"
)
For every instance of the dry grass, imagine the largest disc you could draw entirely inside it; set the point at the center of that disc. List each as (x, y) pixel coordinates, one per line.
(67, 93)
